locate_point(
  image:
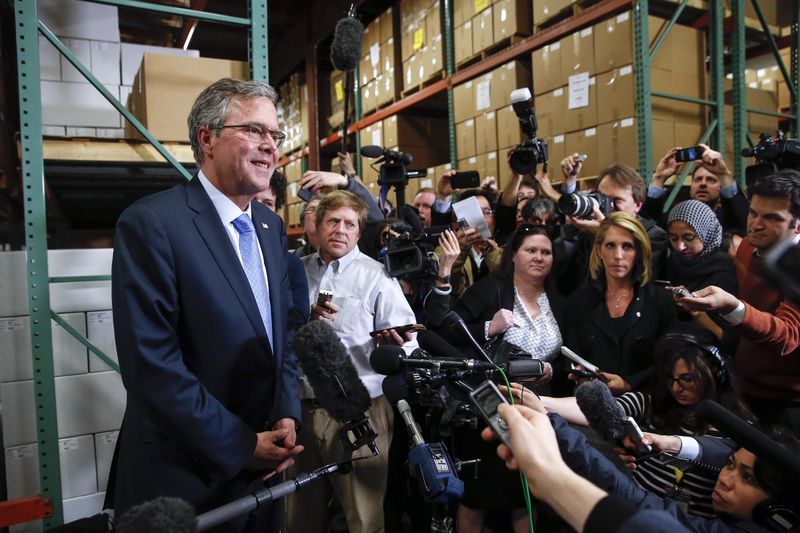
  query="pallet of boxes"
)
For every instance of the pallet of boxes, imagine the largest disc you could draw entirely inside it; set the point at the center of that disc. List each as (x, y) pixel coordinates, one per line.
(377, 66)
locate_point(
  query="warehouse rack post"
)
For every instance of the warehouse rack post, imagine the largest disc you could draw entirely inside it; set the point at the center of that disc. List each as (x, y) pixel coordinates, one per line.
(27, 28)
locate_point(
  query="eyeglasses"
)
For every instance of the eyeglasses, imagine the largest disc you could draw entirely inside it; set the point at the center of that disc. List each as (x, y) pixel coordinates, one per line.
(684, 381)
(258, 133)
(488, 211)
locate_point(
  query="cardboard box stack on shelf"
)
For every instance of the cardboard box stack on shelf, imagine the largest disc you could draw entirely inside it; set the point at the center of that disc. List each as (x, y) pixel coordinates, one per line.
(586, 92)
(293, 113)
(482, 24)
(293, 170)
(165, 88)
(336, 98)
(486, 126)
(376, 68)
(544, 10)
(421, 45)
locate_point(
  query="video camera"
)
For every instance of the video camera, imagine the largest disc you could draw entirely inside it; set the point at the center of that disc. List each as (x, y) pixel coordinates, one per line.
(525, 157)
(772, 154)
(394, 165)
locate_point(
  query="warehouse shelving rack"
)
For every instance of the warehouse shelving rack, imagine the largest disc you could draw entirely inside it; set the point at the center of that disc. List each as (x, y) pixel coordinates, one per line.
(27, 25)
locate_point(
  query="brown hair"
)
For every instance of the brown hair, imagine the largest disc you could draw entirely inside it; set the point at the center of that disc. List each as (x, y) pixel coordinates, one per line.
(336, 199)
(642, 270)
(625, 176)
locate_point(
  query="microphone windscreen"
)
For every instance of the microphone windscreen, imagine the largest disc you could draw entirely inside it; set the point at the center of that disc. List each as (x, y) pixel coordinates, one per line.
(371, 151)
(325, 362)
(346, 46)
(601, 409)
(748, 437)
(386, 359)
(410, 216)
(161, 514)
(520, 95)
(395, 388)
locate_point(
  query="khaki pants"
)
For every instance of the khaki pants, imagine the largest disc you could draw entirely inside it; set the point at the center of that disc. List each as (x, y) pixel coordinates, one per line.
(361, 492)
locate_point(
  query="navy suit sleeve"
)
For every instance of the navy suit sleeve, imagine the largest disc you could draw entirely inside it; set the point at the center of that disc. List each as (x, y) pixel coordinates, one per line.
(289, 404)
(159, 384)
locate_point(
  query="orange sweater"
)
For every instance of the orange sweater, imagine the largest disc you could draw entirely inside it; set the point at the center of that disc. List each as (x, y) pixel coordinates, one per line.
(768, 358)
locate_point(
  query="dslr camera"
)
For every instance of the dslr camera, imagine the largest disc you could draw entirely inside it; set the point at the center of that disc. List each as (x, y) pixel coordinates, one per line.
(581, 204)
(525, 157)
(772, 154)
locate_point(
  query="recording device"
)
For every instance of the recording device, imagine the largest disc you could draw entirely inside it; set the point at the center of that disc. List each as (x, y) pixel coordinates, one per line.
(430, 464)
(601, 410)
(636, 435)
(469, 179)
(413, 328)
(689, 154)
(324, 297)
(305, 194)
(680, 292)
(486, 398)
(533, 151)
(581, 204)
(159, 514)
(453, 321)
(393, 169)
(772, 154)
(577, 359)
(409, 251)
(337, 387)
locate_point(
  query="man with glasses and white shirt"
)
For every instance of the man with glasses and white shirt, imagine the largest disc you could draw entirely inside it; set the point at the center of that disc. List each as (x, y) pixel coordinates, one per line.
(200, 299)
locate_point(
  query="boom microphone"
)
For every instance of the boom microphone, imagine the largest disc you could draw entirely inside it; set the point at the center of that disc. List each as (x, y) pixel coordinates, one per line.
(601, 409)
(160, 514)
(325, 362)
(371, 151)
(389, 360)
(748, 437)
(347, 37)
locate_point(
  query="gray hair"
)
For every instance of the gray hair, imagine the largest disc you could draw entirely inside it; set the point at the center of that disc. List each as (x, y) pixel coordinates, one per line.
(210, 109)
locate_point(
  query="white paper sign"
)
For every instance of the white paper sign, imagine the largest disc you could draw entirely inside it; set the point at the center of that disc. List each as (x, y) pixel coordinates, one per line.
(578, 91)
(469, 210)
(483, 95)
(375, 54)
(376, 138)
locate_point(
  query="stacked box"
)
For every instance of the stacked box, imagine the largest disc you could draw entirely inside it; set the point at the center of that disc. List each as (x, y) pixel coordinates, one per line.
(482, 24)
(377, 66)
(421, 45)
(293, 170)
(485, 123)
(293, 113)
(585, 90)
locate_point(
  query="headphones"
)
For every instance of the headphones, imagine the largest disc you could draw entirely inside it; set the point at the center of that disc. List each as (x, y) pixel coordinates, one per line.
(779, 513)
(718, 361)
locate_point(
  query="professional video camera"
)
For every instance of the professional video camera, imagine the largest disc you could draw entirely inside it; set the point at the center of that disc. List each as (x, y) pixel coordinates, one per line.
(393, 171)
(533, 151)
(772, 154)
(408, 253)
(581, 204)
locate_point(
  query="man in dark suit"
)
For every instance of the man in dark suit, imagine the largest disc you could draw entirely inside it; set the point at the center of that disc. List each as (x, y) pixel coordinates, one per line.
(200, 297)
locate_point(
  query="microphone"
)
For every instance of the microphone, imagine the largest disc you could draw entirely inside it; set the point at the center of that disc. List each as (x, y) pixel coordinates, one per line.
(601, 409)
(390, 360)
(160, 514)
(430, 464)
(337, 387)
(347, 37)
(453, 321)
(748, 437)
(371, 151)
(394, 388)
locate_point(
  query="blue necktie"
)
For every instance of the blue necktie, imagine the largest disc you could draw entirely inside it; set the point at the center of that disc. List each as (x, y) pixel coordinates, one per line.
(251, 260)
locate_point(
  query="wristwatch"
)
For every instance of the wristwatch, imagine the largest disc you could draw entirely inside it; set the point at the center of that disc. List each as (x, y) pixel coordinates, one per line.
(445, 279)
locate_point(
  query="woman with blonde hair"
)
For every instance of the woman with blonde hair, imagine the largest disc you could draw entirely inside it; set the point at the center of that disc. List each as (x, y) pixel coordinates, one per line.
(615, 320)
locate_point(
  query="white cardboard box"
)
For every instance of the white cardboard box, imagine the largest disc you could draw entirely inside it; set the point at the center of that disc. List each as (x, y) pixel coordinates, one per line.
(100, 328)
(78, 104)
(81, 132)
(80, 20)
(22, 470)
(83, 506)
(106, 62)
(104, 444)
(54, 131)
(19, 416)
(89, 403)
(82, 51)
(49, 60)
(69, 354)
(78, 470)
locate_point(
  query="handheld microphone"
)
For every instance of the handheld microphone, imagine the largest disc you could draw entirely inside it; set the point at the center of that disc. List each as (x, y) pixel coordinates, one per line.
(160, 514)
(337, 387)
(453, 321)
(601, 409)
(430, 464)
(346, 45)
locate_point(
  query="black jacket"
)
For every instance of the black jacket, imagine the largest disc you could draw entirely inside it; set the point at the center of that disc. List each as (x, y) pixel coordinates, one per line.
(591, 332)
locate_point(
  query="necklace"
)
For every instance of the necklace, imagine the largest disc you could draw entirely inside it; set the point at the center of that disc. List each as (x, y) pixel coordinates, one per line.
(619, 298)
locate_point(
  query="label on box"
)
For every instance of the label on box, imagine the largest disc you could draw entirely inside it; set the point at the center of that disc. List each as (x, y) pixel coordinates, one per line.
(339, 87)
(65, 445)
(376, 138)
(624, 71)
(590, 132)
(426, 183)
(375, 54)
(623, 16)
(626, 122)
(12, 324)
(555, 46)
(469, 122)
(293, 188)
(578, 91)
(19, 452)
(761, 72)
(472, 160)
(483, 95)
(480, 5)
(586, 32)
(559, 92)
(503, 14)
(491, 155)
(419, 38)
(490, 115)
(468, 25)
(558, 139)
(99, 317)
(468, 84)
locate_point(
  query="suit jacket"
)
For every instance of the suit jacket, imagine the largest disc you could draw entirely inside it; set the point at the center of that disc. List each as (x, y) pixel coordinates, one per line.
(201, 377)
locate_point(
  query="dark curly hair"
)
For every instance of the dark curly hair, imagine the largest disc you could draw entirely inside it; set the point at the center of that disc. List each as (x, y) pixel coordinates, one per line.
(513, 244)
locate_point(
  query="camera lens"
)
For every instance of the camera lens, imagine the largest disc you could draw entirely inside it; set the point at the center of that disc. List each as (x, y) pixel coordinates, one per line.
(575, 205)
(523, 161)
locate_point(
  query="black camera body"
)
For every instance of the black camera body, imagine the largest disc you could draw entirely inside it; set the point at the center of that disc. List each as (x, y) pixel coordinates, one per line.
(394, 167)
(772, 154)
(581, 205)
(409, 254)
(533, 152)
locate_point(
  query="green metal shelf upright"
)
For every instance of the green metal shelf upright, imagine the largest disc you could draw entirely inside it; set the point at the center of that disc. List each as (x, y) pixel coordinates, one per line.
(27, 28)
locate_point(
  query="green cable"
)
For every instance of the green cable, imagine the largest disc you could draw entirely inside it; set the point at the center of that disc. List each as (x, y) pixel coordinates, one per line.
(525, 491)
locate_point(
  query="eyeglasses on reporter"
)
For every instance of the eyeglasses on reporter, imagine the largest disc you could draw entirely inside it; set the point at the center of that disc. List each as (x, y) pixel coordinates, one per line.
(258, 133)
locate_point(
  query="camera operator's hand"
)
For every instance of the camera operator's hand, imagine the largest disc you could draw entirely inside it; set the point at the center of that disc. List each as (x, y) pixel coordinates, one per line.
(315, 180)
(715, 163)
(326, 311)
(444, 187)
(591, 225)
(468, 237)
(571, 167)
(346, 163)
(547, 188)
(501, 321)
(450, 249)
(667, 167)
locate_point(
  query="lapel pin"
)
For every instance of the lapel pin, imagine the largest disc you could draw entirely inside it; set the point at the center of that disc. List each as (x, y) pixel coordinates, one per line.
(264, 225)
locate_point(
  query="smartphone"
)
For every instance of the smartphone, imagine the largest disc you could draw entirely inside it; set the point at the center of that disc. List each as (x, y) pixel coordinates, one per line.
(662, 282)
(680, 292)
(581, 158)
(633, 431)
(324, 297)
(689, 154)
(575, 358)
(413, 328)
(469, 179)
(486, 398)
(305, 194)
(581, 373)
